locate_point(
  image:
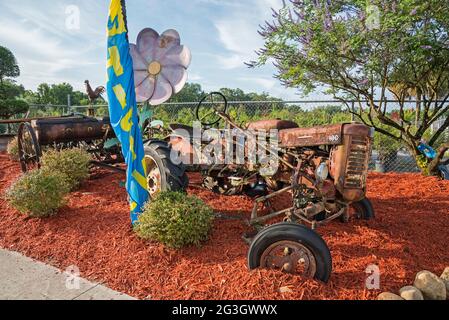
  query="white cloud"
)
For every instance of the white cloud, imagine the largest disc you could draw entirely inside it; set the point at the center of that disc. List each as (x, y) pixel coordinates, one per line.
(45, 49)
(266, 84)
(194, 77)
(223, 35)
(41, 57)
(238, 32)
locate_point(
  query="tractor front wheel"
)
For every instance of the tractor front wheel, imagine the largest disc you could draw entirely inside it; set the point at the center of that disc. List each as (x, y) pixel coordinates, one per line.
(360, 210)
(291, 248)
(162, 173)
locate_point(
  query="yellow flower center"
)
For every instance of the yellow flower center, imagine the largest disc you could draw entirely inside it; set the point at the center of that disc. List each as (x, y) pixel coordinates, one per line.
(154, 68)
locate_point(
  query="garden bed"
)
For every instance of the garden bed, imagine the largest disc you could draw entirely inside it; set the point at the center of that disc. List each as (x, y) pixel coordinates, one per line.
(93, 232)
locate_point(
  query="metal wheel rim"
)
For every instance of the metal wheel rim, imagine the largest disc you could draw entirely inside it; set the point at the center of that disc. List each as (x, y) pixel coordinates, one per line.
(154, 176)
(290, 257)
(29, 151)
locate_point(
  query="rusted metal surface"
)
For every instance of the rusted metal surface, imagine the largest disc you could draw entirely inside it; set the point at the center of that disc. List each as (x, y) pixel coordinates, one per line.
(23, 120)
(71, 129)
(28, 147)
(315, 136)
(317, 198)
(291, 257)
(268, 125)
(349, 162)
(67, 132)
(356, 165)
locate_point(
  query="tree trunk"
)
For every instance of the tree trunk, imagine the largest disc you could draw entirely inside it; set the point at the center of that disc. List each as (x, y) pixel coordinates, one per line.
(418, 108)
(432, 168)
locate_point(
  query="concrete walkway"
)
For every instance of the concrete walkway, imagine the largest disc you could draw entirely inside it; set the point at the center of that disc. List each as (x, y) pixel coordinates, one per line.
(22, 278)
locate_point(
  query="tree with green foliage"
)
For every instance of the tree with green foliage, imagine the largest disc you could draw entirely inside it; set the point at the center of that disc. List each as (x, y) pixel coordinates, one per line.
(193, 92)
(10, 105)
(60, 92)
(364, 51)
(8, 65)
(57, 94)
(239, 95)
(190, 93)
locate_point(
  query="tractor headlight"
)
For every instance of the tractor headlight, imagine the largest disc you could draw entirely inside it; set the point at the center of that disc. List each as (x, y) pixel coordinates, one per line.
(322, 172)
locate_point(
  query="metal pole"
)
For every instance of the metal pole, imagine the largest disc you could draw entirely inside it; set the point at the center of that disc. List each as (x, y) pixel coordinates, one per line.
(69, 103)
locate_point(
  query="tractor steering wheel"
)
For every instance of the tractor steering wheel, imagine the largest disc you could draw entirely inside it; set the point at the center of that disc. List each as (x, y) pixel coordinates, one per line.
(209, 107)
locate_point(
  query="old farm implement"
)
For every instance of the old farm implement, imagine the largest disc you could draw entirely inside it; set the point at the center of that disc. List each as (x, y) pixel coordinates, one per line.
(66, 132)
(96, 136)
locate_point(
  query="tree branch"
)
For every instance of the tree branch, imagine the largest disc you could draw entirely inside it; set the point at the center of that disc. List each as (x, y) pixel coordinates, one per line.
(433, 166)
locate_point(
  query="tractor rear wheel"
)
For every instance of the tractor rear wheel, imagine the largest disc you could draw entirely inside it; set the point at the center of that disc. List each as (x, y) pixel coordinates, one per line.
(291, 248)
(162, 173)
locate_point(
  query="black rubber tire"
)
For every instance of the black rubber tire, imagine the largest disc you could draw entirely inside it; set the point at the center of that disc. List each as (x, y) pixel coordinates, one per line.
(365, 209)
(173, 176)
(293, 232)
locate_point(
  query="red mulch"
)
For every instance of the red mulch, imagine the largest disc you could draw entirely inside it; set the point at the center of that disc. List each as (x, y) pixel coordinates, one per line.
(93, 232)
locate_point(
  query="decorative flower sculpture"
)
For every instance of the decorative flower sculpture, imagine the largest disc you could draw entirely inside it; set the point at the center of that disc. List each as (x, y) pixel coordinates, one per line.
(160, 65)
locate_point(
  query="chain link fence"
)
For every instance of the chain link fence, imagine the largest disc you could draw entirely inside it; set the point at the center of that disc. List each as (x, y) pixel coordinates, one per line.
(388, 155)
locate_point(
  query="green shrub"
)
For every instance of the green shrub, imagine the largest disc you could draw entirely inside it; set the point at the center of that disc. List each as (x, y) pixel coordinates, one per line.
(175, 219)
(73, 163)
(38, 193)
(13, 149)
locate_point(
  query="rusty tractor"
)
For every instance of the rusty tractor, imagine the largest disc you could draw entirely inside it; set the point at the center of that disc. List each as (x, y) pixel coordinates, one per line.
(323, 170)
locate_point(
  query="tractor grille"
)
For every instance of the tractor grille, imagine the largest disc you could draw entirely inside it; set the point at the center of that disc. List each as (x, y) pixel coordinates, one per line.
(357, 164)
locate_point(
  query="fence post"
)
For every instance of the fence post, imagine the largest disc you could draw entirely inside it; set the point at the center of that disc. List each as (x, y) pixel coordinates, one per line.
(69, 103)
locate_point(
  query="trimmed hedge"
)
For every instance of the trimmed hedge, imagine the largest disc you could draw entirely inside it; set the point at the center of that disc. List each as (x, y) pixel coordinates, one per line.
(73, 163)
(13, 149)
(38, 193)
(176, 220)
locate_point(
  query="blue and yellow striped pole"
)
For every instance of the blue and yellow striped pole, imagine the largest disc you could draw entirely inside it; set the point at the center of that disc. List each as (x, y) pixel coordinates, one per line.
(123, 106)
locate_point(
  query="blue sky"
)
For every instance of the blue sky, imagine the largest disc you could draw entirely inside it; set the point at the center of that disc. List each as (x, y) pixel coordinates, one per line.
(222, 35)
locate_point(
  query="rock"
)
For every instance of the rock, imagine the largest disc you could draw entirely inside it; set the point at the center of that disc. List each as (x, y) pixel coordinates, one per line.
(388, 296)
(411, 293)
(445, 278)
(431, 286)
(285, 290)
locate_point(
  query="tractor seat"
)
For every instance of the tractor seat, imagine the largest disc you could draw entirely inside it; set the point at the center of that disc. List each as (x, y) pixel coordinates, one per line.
(268, 125)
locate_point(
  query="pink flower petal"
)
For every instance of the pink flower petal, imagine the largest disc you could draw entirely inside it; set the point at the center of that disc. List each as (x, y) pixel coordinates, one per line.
(146, 43)
(172, 36)
(166, 41)
(139, 62)
(163, 91)
(177, 56)
(139, 77)
(145, 90)
(176, 75)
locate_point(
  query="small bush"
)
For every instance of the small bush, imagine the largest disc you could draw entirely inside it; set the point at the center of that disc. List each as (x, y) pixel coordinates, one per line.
(38, 193)
(13, 149)
(73, 163)
(175, 219)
